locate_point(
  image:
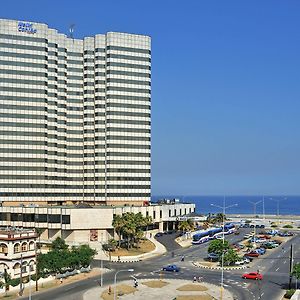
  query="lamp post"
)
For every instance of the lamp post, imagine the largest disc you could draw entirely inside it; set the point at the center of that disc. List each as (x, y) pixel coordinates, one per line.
(278, 200)
(264, 215)
(115, 281)
(223, 240)
(29, 275)
(254, 206)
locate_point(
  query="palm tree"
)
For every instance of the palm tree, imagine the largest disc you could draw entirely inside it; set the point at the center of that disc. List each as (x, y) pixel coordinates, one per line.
(184, 226)
(118, 223)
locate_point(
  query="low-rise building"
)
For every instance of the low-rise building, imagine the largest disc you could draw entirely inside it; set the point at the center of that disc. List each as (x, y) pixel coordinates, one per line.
(17, 251)
(87, 224)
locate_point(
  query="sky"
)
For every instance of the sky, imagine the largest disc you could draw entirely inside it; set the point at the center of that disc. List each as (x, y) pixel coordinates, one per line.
(225, 87)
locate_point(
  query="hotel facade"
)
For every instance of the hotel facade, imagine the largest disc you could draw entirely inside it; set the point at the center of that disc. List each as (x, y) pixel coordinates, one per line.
(75, 116)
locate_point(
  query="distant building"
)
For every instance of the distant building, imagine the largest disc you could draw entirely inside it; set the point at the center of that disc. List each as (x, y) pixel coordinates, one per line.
(17, 247)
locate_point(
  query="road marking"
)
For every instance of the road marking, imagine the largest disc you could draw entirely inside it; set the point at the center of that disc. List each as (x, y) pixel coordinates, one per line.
(284, 262)
(276, 269)
(262, 294)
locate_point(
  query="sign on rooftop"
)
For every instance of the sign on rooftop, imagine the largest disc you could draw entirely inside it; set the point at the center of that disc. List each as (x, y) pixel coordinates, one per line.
(26, 27)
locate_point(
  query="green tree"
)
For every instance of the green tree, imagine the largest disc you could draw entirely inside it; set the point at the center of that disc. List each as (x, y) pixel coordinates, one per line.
(185, 226)
(296, 270)
(85, 255)
(230, 257)
(118, 223)
(59, 244)
(217, 246)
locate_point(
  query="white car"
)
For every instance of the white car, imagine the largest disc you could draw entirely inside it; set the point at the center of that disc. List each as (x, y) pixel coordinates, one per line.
(247, 236)
(240, 262)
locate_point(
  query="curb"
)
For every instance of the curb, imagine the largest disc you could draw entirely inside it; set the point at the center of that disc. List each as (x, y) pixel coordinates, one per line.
(198, 265)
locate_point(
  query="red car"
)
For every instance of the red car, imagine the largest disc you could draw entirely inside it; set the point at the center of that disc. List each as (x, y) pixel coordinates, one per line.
(252, 254)
(252, 275)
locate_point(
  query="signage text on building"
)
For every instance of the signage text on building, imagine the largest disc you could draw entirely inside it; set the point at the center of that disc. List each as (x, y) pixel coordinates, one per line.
(26, 27)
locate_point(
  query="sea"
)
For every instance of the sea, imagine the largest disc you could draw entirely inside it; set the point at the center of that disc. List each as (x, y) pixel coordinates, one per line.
(282, 205)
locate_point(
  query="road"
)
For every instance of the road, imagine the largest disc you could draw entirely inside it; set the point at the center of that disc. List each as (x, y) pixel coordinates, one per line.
(274, 267)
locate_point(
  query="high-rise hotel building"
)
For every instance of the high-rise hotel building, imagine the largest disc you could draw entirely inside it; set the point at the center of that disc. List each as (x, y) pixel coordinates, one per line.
(75, 116)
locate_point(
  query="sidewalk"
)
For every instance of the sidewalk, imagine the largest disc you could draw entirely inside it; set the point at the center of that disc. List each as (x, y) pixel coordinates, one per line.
(169, 289)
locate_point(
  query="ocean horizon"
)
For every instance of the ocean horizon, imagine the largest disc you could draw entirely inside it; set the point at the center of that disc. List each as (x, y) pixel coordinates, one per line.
(285, 205)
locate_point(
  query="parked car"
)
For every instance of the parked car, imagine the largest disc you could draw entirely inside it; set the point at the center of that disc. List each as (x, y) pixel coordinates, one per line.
(171, 268)
(240, 262)
(248, 257)
(213, 256)
(252, 254)
(158, 234)
(241, 246)
(252, 275)
(269, 245)
(247, 236)
(261, 251)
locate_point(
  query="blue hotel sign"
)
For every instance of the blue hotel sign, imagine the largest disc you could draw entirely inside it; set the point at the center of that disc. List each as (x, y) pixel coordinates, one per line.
(26, 27)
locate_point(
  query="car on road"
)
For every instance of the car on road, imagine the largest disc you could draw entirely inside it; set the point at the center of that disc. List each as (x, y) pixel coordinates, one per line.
(171, 268)
(213, 256)
(158, 234)
(252, 275)
(252, 254)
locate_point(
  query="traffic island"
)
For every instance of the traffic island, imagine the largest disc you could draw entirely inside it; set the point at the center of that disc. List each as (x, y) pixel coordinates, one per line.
(216, 266)
(193, 287)
(195, 297)
(155, 283)
(121, 290)
(153, 289)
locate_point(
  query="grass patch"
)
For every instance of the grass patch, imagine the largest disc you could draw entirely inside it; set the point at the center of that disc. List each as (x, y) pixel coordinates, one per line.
(144, 247)
(208, 263)
(155, 283)
(192, 287)
(122, 289)
(194, 297)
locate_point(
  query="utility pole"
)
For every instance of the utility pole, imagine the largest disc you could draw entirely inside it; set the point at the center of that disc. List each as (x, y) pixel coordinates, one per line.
(101, 278)
(291, 267)
(21, 277)
(36, 269)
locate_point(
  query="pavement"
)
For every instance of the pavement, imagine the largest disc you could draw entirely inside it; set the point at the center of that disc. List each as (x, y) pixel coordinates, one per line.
(169, 291)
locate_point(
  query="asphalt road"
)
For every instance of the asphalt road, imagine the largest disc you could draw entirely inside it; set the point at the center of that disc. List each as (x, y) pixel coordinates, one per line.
(274, 266)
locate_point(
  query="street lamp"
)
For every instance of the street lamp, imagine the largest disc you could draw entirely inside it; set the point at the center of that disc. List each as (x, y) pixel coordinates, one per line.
(254, 206)
(115, 282)
(29, 274)
(278, 200)
(223, 240)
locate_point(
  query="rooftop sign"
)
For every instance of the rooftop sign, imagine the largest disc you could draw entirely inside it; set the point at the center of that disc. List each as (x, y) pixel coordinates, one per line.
(26, 27)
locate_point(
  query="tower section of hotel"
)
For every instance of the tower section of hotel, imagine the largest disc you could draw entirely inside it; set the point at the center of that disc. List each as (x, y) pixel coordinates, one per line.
(74, 117)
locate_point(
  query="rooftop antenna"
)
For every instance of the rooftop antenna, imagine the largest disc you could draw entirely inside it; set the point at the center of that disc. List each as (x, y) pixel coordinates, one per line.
(71, 30)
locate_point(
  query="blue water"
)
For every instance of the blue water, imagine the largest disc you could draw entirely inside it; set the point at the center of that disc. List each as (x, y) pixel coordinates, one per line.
(288, 205)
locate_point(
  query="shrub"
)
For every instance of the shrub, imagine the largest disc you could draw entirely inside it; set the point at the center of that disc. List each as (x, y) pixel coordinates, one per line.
(289, 293)
(14, 282)
(248, 221)
(274, 226)
(288, 226)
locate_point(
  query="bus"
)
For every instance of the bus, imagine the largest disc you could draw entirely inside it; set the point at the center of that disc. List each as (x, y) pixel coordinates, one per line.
(200, 238)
